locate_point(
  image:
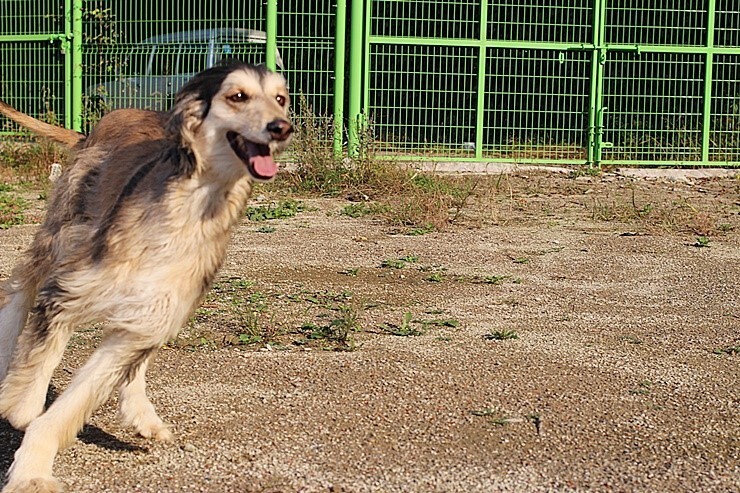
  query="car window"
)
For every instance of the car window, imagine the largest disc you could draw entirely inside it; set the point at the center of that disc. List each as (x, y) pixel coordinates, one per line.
(243, 51)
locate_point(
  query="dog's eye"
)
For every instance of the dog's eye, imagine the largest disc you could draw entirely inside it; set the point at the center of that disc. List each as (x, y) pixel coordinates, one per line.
(281, 100)
(239, 97)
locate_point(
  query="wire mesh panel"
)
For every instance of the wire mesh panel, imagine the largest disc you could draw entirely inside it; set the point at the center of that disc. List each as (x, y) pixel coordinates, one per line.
(727, 27)
(657, 22)
(536, 104)
(450, 19)
(422, 98)
(725, 123)
(653, 106)
(564, 21)
(306, 43)
(31, 60)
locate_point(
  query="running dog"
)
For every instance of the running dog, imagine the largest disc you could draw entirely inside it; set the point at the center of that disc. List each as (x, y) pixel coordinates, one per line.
(136, 230)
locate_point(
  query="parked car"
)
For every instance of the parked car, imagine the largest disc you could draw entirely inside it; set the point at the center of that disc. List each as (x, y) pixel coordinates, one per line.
(155, 69)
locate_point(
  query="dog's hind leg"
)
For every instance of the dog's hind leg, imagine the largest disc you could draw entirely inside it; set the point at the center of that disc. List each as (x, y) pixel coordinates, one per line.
(136, 411)
(39, 351)
(15, 301)
(114, 363)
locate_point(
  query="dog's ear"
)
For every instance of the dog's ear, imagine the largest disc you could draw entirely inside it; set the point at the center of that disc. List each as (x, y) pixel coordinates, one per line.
(185, 119)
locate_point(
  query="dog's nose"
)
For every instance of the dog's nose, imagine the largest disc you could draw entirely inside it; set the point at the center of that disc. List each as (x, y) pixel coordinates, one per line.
(280, 129)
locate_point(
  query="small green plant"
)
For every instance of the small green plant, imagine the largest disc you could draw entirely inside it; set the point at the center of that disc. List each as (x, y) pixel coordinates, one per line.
(501, 335)
(729, 350)
(266, 229)
(352, 272)
(702, 242)
(643, 388)
(12, 208)
(631, 340)
(425, 229)
(495, 279)
(276, 210)
(494, 417)
(435, 277)
(339, 331)
(521, 260)
(399, 263)
(405, 329)
(356, 210)
(441, 322)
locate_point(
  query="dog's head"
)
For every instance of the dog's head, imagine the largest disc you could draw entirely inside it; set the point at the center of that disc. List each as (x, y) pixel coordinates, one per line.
(235, 118)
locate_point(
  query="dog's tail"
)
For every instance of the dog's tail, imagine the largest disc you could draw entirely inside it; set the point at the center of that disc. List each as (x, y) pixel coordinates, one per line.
(69, 138)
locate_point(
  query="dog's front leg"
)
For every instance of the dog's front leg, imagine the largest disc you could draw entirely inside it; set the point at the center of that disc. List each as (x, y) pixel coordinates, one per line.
(136, 411)
(39, 351)
(114, 363)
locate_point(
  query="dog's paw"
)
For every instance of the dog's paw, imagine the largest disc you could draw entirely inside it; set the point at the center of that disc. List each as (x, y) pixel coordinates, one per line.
(161, 432)
(35, 485)
(138, 413)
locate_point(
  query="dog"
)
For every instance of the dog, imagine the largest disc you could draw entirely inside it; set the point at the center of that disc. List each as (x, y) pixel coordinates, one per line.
(136, 230)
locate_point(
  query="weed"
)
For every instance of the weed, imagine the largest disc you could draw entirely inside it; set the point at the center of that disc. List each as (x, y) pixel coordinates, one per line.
(12, 208)
(339, 331)
(277, 210)
(447, 322)
(495, 417)
(435, 277)
(425, 229)
(399, 263)
(265, 229)
(495, 279)
(729, 350)
(702, 242)
(536, 420)
(501, 335)
(643, 388)
(631, 340)
(356, 210)
(725, 228)
(584, 171)
(350, 272)
(521, 260)
(405, 329)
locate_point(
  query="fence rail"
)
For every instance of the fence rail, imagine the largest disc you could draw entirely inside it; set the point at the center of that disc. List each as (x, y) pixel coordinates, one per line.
(530, 81)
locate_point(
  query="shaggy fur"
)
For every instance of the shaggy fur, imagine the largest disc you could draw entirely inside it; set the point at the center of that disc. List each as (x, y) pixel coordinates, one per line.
(136, 231)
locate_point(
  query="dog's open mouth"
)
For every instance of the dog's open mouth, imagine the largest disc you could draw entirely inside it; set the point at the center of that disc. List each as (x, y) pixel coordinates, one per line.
(256, 157)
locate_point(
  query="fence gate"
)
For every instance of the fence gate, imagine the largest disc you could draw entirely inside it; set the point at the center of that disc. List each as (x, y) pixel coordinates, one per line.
(551, 81)
(36, 60)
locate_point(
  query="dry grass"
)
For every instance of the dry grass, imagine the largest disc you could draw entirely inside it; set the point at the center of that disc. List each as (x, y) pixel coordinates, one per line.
(402, 195)
(29, 162)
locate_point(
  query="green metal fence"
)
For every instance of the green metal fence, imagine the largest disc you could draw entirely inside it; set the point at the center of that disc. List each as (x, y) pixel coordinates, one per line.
(529, 81)
(557, 81)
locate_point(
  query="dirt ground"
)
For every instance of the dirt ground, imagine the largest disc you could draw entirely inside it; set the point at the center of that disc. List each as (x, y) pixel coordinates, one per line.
(571, 334)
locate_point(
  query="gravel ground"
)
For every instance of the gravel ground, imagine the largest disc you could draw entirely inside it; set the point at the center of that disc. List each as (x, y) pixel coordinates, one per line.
(622, 377)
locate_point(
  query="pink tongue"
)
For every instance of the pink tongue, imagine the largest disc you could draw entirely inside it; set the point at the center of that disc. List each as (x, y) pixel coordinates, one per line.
(263, 166)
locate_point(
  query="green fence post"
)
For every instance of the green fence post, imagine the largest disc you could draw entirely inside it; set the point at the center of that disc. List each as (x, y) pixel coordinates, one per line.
(708, 66)
(271, 34)
(76, 106)
(356, 52)
(596, 104)
(339, 67)
(67, 52)
(481, 102)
